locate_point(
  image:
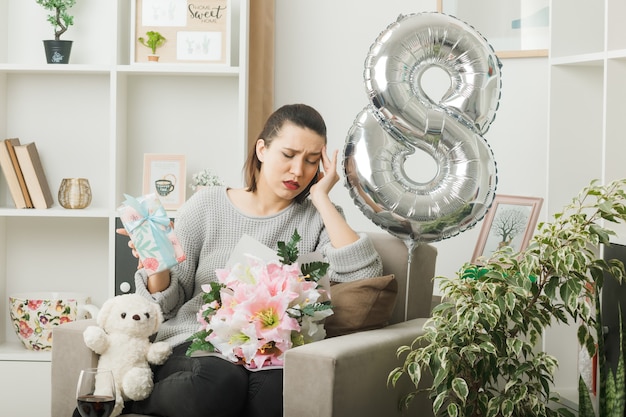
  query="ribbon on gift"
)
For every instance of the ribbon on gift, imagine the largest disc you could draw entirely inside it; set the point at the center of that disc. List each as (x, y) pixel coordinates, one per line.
(156, 219)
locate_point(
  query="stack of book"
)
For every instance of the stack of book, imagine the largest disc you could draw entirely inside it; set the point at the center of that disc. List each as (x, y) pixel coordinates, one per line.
(24, 174)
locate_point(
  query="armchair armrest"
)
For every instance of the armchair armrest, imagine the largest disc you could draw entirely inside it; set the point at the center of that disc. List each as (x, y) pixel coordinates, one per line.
(340, 376)
(69, 356)
(347, 375)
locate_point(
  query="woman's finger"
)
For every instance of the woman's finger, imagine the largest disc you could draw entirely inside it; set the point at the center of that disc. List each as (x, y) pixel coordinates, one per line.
(131, 245)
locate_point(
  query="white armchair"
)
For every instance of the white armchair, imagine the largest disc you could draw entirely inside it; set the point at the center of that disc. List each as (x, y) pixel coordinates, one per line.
(342, 376)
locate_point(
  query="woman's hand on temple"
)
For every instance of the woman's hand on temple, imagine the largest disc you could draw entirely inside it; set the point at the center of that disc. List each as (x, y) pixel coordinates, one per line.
(339, 232)
(328, 177)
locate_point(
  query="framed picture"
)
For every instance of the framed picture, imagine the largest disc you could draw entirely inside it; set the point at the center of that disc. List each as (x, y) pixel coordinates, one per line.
(514, 28)
(165, 175)
(196, 31)
(510, 221)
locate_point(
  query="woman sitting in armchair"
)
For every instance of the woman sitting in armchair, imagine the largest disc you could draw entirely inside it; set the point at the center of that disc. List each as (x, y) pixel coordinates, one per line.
(285, 191)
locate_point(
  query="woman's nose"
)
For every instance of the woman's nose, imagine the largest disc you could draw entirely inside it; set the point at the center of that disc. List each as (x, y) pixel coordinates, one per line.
(296, 167)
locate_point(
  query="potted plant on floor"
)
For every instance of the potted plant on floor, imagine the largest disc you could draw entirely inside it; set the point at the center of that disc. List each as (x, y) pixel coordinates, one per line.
(480, 345)
(153, 41)
(611, 377)
(57, 50)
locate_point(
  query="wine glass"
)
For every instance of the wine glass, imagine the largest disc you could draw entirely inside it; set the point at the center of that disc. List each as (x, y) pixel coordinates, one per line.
(95, 393)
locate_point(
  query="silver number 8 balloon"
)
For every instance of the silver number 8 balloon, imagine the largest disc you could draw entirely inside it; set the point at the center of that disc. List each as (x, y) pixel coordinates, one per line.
(402, 119)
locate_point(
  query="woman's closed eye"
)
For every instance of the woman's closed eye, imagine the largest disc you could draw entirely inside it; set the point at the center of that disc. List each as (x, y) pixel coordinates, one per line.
(308, 161)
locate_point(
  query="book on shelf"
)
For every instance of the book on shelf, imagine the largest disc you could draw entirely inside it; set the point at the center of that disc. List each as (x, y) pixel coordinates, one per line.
(13, 174)
(18, 170)
(34, 175)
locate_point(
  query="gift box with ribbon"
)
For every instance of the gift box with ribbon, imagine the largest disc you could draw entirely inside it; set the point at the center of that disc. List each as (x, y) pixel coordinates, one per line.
(150, 229)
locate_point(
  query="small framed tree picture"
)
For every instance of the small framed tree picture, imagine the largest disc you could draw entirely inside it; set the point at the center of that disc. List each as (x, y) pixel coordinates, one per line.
(510, 221)
(165, 176)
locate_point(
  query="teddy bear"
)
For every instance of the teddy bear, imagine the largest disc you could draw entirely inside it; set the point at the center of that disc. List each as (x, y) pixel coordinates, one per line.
(122, 339)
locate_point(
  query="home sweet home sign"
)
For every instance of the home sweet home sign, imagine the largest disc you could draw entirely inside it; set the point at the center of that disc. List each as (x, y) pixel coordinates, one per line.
(196, 31)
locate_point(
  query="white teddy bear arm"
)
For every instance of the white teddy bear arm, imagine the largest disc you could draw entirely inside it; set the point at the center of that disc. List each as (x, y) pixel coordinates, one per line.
(96, 339)
(158, 353)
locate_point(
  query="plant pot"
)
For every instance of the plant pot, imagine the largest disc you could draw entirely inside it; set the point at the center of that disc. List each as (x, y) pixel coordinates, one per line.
(57, 52)
(153, 58)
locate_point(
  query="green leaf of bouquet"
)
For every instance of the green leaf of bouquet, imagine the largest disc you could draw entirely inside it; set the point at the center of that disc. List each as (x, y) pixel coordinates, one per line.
(297, 339)
(314, 271)
(199, 343)
(214, 294)
(310, 309)
(288, 252)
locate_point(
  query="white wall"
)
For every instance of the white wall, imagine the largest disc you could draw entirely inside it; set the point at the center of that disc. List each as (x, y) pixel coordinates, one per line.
(320, 51)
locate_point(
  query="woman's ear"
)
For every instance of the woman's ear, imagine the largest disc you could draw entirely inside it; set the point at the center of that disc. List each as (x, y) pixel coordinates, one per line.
(260, 149)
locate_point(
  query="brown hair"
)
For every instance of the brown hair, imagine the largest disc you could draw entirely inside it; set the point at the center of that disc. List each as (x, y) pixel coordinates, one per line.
(300, 115)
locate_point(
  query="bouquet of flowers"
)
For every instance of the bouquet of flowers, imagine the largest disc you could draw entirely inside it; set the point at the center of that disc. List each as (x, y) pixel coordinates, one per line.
(257, 310)
(204, 178)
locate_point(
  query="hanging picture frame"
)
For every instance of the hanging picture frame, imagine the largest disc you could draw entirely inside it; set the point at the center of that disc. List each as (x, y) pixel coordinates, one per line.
(510, 221)
(196, 31)
(514, 28)
(165, 176)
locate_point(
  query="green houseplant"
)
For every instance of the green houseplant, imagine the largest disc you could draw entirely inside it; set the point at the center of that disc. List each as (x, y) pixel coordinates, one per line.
(612, 399)
(153, 41)
(57, 50)
(480, 345)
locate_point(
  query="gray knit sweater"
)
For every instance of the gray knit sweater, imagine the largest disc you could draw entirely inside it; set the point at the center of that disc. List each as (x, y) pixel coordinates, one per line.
(209, 226)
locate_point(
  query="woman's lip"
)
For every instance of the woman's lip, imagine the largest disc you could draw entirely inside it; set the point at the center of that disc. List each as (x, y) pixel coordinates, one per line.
(292, 185)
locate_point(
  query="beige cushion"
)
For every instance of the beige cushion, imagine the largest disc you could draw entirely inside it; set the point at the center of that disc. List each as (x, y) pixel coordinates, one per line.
(361, 305)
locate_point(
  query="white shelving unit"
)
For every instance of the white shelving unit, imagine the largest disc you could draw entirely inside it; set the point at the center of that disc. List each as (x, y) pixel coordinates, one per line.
(95, 118)
(587, 141)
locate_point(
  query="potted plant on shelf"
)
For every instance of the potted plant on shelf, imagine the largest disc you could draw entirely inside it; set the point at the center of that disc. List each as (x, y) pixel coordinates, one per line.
(57, 50)
(480, 345)
(153, 41)
(204, 178)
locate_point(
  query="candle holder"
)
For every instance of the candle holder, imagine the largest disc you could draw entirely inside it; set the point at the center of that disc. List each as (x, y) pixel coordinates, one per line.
(75, 193)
